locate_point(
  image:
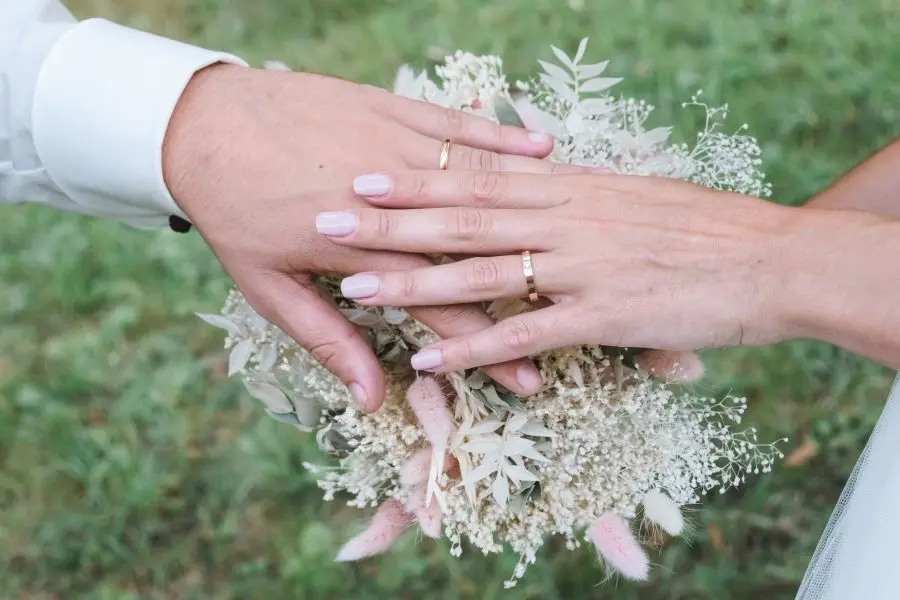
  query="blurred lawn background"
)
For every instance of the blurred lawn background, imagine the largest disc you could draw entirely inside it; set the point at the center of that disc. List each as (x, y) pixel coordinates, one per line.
(131, 468)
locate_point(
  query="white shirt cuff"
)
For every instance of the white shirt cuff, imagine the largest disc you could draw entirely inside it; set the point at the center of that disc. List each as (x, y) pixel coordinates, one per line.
(103, 100)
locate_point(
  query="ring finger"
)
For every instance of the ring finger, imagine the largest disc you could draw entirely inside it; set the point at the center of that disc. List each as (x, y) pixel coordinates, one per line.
(467, 281)
(466, 158)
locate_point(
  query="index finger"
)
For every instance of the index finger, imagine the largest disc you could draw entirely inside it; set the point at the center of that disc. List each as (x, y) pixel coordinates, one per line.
(518, 375)
(476, 189)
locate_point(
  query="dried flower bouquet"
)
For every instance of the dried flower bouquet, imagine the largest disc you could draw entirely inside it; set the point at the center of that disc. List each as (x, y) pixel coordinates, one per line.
(600, 447)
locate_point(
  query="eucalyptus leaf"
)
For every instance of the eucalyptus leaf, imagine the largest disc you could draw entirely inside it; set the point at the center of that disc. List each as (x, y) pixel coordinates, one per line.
(393, 316)
(534, 455)
(536, 430)
(591, 71)
(516, 504)
(596, 106)
(486, 426)
(360, 316)
(267, 357)
(515, 445)
(396, 352)
(239, 356)
(500, 490)
(575, 372)
(506, 112)
(511, 401)
(496, 402)
(657, 135)
(561, 89)
(290, 419)
(574, 123)
(272, 397)
(332, 441)
(516, 422)
(518, 473)
(477, 379)
(562, 57)
(220, 321)
(308, 410)
(482, 471)
(556, 72)
(533, 493)
(598, 84)
(485, 444)
(582, 46)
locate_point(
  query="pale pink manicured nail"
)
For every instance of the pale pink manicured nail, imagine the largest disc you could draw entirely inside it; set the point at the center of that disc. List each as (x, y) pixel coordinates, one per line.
(427, 360)
(529, 379)
(539, 138)
(375, 184)
(336, 223)
(360, 286)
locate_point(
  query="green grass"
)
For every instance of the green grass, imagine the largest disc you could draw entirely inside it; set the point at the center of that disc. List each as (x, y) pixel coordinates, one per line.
(131, 468)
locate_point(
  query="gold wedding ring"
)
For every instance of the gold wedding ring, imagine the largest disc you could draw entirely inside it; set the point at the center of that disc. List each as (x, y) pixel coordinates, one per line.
(445, 156)
(528, 270)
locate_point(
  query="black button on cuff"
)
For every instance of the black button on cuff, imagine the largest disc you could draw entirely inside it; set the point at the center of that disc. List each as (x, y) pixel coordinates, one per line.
(179, 225)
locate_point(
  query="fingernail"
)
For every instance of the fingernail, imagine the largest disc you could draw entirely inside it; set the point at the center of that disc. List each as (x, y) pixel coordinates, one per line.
(336, 223)
(362, 398)
(375, 184)
(427, 360)
(360, 286)
(539, 138)
(529, 379)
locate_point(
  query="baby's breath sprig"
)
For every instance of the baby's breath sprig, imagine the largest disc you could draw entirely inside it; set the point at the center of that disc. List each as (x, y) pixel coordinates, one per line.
(600, 447)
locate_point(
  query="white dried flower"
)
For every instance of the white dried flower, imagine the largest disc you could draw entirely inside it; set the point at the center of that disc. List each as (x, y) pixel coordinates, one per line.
(580, 458)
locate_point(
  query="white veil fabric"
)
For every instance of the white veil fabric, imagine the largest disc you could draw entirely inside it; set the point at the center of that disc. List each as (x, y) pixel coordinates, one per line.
(855, 557)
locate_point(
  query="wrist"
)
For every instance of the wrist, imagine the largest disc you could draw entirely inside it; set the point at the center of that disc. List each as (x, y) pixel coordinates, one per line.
(195, 136)
(824, 274)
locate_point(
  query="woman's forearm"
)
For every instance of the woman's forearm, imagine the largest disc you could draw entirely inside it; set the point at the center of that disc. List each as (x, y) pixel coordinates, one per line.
(873, 186)
(842, 282)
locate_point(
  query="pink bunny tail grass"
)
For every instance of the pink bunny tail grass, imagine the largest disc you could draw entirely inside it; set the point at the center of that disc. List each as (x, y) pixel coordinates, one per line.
(428, 515)
(618, 547)
(389, 522)
(671, 365)
(428, 403)
(416, 469)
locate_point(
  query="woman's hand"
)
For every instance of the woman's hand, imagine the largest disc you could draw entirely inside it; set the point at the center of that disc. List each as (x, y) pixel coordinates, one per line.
(626, 261)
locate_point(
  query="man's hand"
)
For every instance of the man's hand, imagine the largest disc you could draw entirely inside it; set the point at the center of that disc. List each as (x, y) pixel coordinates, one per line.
(253, 156)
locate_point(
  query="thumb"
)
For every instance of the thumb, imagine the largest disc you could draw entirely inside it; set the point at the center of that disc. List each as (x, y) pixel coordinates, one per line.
(318, 327)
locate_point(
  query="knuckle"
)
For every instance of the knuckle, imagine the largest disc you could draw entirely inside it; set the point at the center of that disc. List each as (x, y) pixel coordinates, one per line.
(452, 314)
(484, 160)
(498, 134)
(483, 274)
(487, 187)
(518, 335)
(386, 223)
(468, 223)
(462, 352)
(328, 353)
(408, 284)
(491, 161)
(410, 186)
